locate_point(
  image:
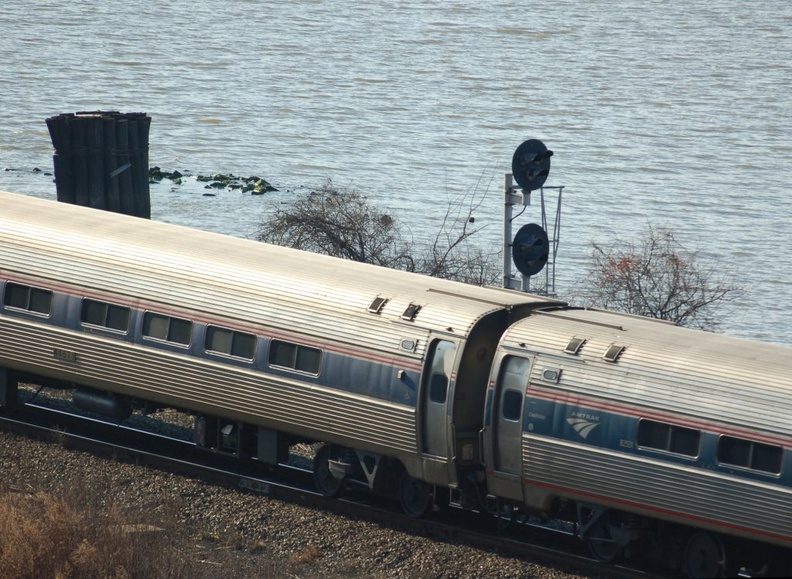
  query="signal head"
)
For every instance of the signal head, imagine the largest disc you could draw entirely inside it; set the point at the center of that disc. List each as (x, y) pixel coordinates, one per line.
(531, 164)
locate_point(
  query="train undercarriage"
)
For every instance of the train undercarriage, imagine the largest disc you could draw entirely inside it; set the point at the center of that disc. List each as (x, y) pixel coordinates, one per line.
(613, 535)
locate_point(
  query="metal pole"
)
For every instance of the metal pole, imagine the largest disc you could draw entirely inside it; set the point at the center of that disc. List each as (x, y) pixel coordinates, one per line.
(507, 235)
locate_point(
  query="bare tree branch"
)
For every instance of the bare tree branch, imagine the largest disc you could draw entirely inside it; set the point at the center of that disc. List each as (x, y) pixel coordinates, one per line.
(344, 224)
(451, 255)
(658, 279)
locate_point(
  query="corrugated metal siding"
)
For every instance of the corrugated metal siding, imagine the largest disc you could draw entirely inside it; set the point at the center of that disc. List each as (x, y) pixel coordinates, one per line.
(664, 489)
(201, 385)
(689, 373)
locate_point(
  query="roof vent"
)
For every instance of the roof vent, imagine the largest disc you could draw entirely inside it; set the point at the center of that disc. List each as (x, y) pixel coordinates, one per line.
(411, 311)
(574, 345)
(377, 305)
(613, 352)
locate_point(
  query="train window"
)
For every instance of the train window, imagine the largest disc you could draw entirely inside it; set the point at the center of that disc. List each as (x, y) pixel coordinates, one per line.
(179, 331)
(167, 328)
(684, 441)
(438, 388)
(766, 458)
(295, 356)
(238, 344)
(734, 451)
(307, 359)
(16, 296)
(749, 454)
(28, 298)
(669, 437)
(106, 315)
(440, 369)
(512, 404)
(117, 318)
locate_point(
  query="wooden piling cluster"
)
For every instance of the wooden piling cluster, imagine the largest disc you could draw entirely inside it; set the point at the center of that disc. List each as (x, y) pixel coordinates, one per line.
(101, 160)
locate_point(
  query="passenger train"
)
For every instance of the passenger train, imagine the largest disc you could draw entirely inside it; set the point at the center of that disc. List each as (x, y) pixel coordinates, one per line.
(647, 437)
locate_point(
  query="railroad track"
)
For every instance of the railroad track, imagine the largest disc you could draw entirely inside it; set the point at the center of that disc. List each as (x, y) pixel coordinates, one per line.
(292, 483)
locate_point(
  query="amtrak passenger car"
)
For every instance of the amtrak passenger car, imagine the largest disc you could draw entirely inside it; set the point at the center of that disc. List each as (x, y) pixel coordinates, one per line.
(654, 433)
(266, 345)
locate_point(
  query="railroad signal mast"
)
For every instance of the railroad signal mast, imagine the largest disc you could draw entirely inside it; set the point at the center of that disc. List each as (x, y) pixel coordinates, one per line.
(531, 250)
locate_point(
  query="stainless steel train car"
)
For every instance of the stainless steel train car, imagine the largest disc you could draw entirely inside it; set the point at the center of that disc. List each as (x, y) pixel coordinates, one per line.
(265, 344)
(658, 437)
(646, 436)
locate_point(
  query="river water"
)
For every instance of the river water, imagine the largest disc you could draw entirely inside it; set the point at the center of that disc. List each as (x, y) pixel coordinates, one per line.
(670, 114)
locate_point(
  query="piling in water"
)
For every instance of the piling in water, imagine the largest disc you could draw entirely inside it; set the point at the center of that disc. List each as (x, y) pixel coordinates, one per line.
(101, 160)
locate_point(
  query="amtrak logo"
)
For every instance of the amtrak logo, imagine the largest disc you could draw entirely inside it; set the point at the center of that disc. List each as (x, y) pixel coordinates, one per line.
(582, 426)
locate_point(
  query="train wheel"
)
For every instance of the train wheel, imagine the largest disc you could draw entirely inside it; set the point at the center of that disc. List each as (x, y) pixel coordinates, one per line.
(416, 496)
(326, 483)
(704, 556)
(601, 544)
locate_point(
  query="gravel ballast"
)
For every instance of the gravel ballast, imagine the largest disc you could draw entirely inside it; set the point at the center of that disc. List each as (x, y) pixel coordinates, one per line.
(231, 533)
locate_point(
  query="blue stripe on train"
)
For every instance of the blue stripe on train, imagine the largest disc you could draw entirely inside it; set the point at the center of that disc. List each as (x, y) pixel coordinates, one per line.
(618, 432)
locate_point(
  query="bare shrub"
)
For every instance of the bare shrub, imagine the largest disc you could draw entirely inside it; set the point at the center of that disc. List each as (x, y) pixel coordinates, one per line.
(344, 223)
(659, 278)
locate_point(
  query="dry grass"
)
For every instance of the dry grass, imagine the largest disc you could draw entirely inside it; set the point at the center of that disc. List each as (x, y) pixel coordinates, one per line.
(76, 530)
(73, 536)
(308, 555)
(44, 536)
(74, 526)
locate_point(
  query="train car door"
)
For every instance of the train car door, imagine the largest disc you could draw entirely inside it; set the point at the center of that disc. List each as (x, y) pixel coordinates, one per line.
(439, 373)
(506, 422)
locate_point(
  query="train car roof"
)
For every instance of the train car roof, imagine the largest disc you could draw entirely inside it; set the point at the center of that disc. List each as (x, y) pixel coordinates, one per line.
(664, 369)
(183, 267)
